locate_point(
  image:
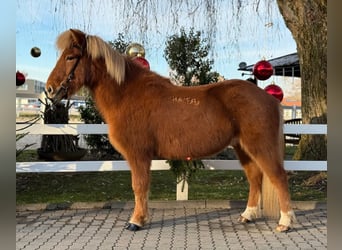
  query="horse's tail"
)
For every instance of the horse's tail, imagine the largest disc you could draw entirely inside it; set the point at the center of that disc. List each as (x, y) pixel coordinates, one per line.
(270, 200)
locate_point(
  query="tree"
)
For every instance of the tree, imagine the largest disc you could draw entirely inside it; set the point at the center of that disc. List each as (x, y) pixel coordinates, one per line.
(120, 44)
(307, 21)
(187, 54)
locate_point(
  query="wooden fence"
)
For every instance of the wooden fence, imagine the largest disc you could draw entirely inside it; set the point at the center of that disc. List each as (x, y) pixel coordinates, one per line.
(90, 166)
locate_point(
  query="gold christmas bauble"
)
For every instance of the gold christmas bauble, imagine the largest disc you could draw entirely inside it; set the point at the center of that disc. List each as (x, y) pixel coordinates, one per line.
(135, 50)
(35, 52)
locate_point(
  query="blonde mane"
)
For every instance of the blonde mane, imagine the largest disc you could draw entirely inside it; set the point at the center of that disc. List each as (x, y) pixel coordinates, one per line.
(97, 48)
(114, 61)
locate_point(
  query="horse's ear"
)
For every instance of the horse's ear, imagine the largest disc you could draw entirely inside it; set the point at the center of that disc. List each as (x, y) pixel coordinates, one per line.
(78, 38)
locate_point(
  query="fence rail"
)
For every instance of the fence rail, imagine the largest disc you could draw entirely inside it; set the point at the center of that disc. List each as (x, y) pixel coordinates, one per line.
(98, 166)
(50, 129)
(91, 166)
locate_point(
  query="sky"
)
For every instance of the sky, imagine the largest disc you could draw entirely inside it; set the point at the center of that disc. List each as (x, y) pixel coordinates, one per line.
(257, 35)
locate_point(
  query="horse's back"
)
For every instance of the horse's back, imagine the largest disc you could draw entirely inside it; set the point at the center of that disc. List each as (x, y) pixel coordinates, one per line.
(245, 98)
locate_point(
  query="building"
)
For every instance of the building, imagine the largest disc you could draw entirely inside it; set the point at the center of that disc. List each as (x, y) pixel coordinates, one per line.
(27, 94)
(286, 66)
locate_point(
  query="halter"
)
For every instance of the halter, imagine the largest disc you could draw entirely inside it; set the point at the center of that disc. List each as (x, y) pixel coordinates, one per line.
(63, 89)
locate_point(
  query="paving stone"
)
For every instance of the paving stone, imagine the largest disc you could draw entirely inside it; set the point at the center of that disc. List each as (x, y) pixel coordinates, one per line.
(178, 227)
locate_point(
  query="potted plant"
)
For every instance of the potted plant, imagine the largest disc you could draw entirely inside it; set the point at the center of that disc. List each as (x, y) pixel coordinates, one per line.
(59, 147)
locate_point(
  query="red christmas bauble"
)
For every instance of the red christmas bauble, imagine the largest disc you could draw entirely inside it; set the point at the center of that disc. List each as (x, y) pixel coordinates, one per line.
(262, 70)
(142, 62)
(275, 91)
(20, 78)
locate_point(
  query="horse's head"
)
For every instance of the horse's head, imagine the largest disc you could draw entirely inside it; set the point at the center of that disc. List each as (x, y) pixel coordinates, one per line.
(68, 76)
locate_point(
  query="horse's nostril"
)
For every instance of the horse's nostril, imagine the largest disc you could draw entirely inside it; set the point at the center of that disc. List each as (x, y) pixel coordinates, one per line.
(49, 90)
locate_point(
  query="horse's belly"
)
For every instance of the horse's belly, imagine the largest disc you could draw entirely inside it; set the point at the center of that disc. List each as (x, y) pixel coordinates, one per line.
(199, 146)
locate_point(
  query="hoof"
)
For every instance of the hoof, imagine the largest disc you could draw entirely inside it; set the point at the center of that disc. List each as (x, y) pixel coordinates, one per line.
(132, 227)
(243, 219)
(282, 228)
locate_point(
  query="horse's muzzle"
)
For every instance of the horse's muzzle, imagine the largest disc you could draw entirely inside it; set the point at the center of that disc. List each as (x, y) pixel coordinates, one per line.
(60, 94)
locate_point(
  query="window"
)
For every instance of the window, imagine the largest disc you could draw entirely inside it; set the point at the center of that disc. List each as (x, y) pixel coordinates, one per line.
(39, 87)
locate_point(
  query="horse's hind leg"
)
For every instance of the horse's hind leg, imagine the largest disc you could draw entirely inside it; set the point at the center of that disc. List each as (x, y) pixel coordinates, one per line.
(254, 177)
(270, 164)
(276, 173)
(140, 174)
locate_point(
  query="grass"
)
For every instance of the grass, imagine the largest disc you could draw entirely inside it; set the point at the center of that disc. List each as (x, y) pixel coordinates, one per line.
(116, 186)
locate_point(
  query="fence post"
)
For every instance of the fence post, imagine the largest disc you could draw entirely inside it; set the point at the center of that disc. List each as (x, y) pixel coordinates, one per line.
(182, 195)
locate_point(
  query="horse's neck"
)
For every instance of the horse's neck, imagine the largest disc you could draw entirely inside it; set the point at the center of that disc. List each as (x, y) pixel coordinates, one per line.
(106, 95)
(109, 95)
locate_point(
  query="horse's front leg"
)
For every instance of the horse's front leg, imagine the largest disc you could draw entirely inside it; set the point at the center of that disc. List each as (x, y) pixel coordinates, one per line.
(140, 173)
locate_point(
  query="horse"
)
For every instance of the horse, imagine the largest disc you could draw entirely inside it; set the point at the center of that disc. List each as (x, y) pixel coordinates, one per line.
(149, 117)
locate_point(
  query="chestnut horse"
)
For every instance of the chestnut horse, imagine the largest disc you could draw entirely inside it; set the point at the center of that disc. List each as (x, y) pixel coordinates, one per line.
(150, 118)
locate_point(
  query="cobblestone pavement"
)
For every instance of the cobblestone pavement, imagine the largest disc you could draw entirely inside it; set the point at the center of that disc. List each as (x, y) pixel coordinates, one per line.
(170, 227)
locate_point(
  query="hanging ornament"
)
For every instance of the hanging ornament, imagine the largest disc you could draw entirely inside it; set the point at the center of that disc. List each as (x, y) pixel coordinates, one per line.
(20, 78)
(35, 52)
(142, 62)
(262, 70)
(275, 91)
(135, 50)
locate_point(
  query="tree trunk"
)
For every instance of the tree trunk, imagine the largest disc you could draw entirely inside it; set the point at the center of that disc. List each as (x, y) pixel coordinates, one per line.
(307, 21)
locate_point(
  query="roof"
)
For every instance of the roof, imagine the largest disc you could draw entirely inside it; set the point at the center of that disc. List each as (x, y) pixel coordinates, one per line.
(287, 65)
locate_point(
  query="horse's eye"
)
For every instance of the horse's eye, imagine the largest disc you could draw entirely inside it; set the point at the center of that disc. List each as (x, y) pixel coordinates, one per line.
(69, 58)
